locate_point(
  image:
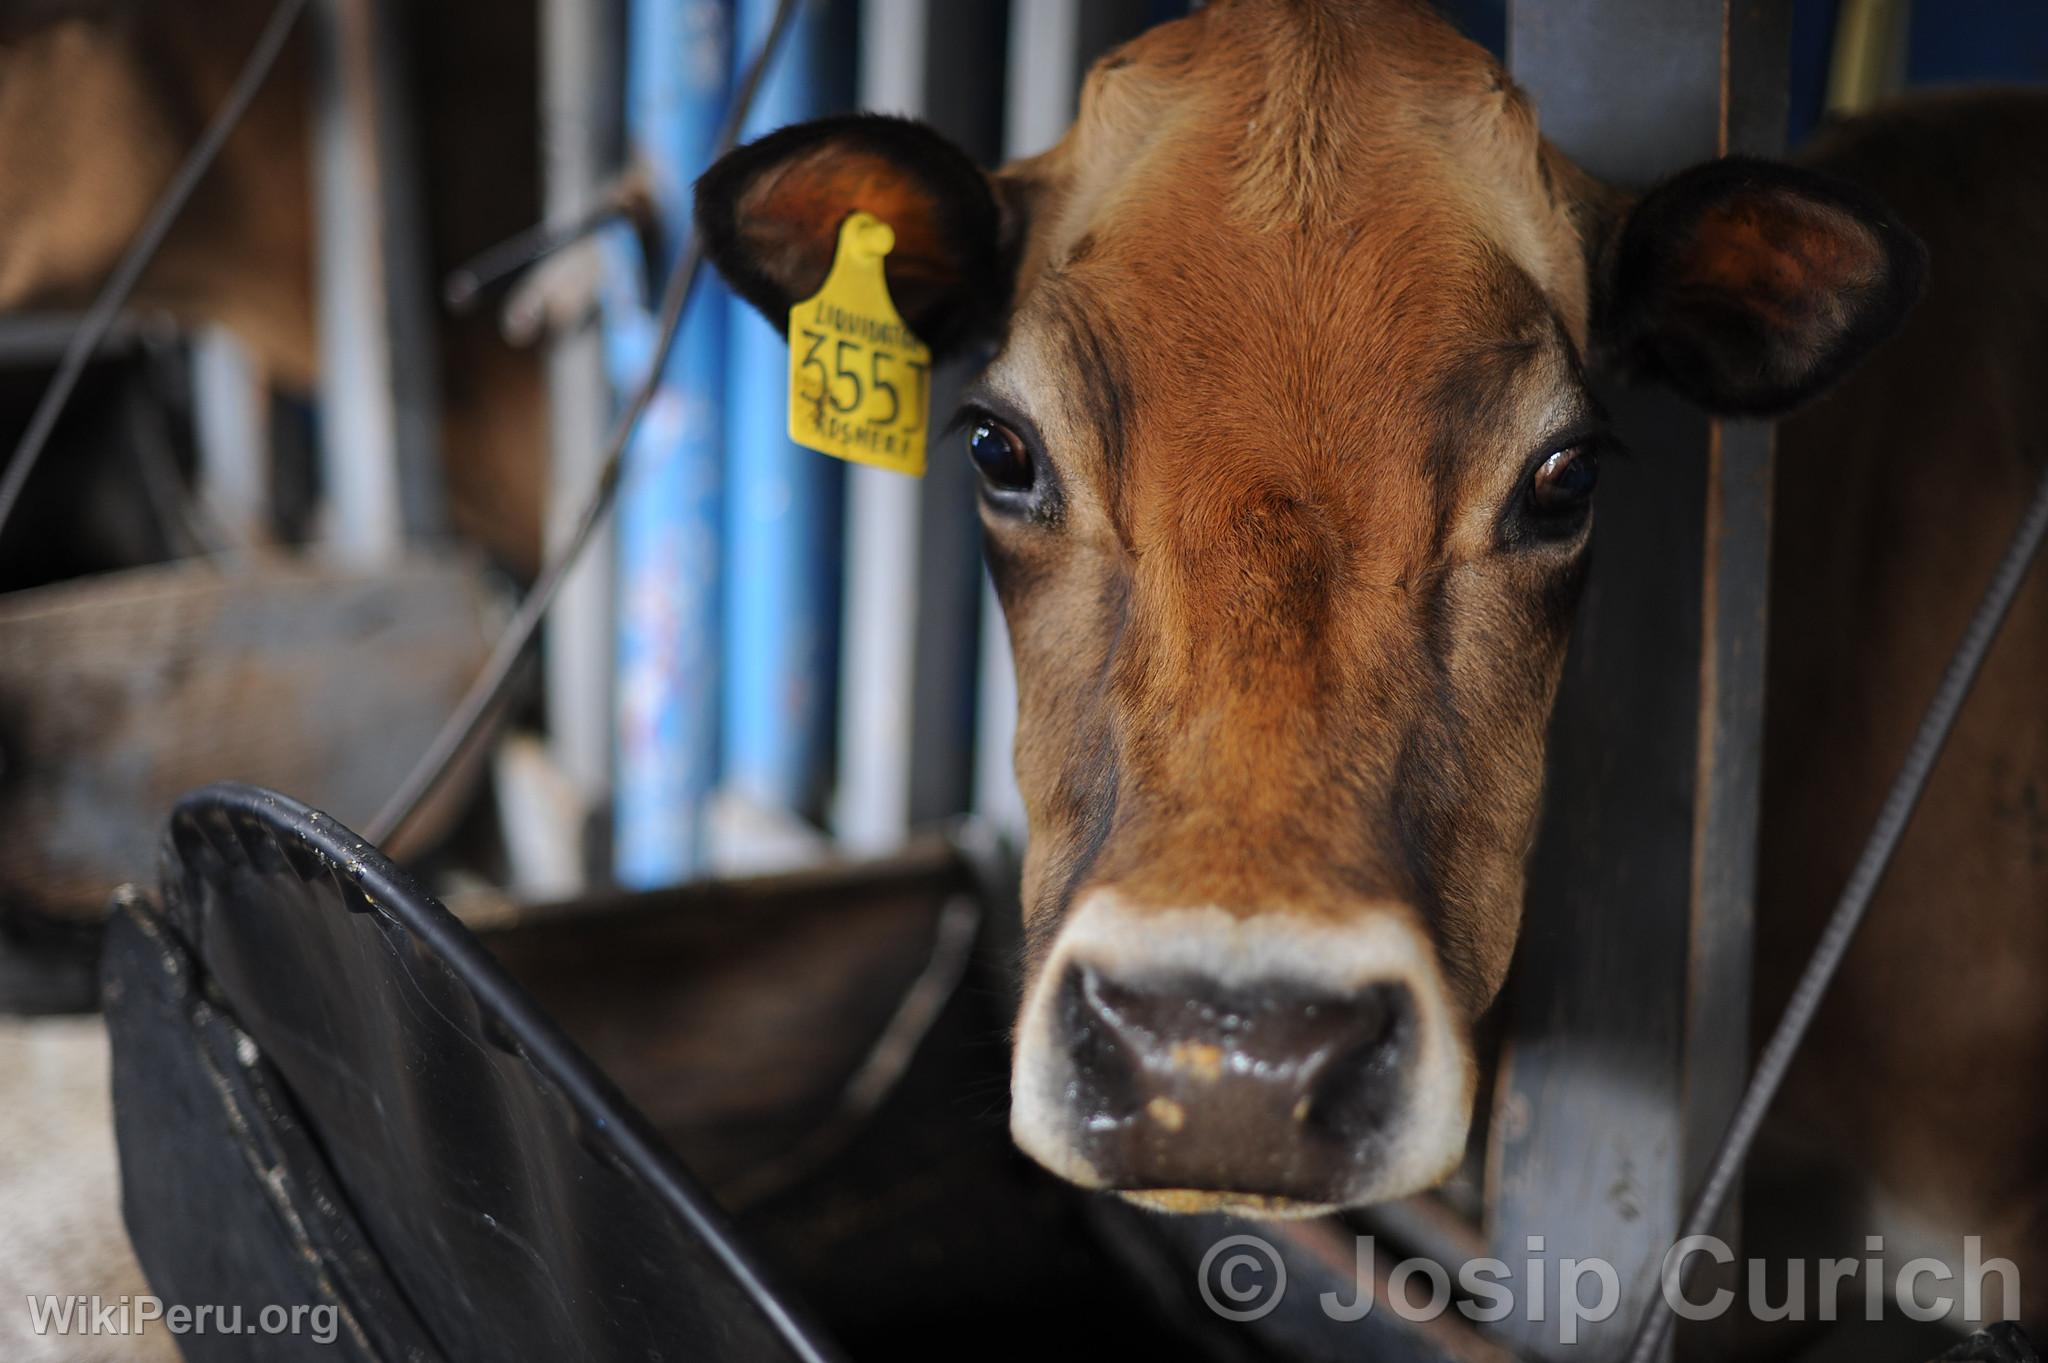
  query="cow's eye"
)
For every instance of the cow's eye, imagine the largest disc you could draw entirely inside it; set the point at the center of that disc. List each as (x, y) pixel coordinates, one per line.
(1001, 455)
(1562, 483)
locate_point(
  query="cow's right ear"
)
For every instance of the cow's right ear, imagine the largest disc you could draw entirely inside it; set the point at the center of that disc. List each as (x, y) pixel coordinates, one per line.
(769, 215)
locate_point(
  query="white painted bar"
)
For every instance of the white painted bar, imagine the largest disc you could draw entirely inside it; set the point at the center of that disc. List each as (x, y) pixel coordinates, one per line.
(1044, 86)
(579, 629)
(1045, 74)
(231, 421)
(379, 437)
(871, 800)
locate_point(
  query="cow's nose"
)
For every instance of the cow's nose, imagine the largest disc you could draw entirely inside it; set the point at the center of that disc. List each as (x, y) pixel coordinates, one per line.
(1260, 1086)
(1270, 1063)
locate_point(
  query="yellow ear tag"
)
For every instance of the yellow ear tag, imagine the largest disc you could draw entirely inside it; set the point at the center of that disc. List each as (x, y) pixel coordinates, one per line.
(859, 380)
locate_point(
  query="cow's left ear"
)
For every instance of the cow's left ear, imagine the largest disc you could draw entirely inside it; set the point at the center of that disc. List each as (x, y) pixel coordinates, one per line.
(770, 214)
(1750, 286)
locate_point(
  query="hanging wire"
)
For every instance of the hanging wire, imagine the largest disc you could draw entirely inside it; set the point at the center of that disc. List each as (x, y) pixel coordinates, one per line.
(487, 693)
(1892, 819)
(113, 295)
(516, 254)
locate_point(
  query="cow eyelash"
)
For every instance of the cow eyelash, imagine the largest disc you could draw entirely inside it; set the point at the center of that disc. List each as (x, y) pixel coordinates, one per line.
(958, 423)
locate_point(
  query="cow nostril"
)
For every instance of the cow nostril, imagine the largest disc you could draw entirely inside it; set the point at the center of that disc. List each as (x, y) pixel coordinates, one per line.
(1333, 1063)
(1270, 1086)
(1361, 1083)
(1108, 1037)
(1269, 1062)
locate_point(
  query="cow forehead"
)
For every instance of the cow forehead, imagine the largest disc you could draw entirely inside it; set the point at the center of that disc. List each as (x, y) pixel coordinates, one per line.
(1193, 373)
(1277, 234)
(1210, 385)
(1259, 135)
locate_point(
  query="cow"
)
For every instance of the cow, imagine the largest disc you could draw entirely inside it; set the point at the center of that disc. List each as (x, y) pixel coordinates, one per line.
(101, 99)
(1288, 456)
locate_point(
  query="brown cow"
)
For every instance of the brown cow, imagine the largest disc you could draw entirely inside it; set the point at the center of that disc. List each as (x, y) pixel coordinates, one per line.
(101, 99)
(1288, 455)
(1895, 497)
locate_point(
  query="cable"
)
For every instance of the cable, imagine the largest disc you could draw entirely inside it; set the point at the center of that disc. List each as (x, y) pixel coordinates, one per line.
(113, 295)
(1849, 909)
(881, 1070)
(484, 695)
(466, 283)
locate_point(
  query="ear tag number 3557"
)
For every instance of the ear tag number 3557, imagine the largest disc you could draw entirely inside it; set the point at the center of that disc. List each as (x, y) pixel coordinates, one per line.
(859, 380)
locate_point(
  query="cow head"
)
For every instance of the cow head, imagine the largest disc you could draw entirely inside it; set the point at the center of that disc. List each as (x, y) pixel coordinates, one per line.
(1288, 460)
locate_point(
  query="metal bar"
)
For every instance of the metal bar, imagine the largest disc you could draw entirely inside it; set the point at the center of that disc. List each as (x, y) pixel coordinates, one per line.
(966, 41)
(379, 426)
(1627, 1037)
(784, 514)
(913, 585)
(1869, 60)
(1044, 87)
(678, 59)
(573, 223)
(231, 421)
(871, 798)
(576, 138)
(1044, 76)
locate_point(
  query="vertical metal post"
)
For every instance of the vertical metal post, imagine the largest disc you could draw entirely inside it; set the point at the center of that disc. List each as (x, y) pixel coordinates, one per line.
(784, 510)
(1870, 53)
(965, 42)
(231, 419)
(871, 797)
(678, 62)
(1045, 71)
(577, 93)
(913, 581)
(379, 423)
(1627, 1039)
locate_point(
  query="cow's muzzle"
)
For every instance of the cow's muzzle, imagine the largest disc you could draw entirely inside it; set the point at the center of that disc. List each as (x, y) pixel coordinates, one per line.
(1274, 1063)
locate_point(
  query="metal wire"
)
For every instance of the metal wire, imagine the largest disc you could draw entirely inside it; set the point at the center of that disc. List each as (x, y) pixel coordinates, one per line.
(467, 282)
(113, 296)
(1849, 909)
(481, 702)
(882, 1069)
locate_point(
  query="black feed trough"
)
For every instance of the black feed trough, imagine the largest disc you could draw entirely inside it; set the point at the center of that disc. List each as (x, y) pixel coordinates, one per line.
(331, 1096)
(330, 1093)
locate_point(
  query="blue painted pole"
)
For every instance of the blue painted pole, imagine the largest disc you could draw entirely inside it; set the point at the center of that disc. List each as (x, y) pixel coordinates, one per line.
(678, 63)
(783, 514)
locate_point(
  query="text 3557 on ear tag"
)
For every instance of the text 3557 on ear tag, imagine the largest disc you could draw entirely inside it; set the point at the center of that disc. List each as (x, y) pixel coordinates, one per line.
(859, 379)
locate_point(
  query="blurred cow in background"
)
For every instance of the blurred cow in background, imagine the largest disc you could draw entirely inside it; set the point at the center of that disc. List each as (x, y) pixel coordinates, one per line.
(101, 99)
